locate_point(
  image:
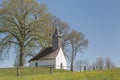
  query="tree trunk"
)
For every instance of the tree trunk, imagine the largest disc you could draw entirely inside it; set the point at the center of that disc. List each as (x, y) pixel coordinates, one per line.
(21, 61)
(71, 66)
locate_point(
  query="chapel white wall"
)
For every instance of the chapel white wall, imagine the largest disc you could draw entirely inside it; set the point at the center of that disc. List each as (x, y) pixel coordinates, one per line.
(61, 59)
(42, 63)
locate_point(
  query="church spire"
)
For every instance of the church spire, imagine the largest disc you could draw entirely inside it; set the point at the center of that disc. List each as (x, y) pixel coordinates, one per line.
(56, 40)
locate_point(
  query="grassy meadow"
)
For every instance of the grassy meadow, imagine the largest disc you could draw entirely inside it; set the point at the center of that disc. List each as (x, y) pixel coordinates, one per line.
(44, 74)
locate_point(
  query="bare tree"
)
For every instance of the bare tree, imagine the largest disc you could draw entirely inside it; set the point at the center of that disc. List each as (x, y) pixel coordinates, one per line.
(94, 66)
(77, 43)
(79, 65)
(113, 65)
(100, 62)
(109, 63)
(86, 65)
(64, 30)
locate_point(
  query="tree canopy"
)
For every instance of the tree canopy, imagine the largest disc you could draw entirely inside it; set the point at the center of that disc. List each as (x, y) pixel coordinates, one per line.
(19, 19)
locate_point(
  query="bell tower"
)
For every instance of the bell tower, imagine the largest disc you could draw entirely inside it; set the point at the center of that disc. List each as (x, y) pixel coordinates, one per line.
(56, 40)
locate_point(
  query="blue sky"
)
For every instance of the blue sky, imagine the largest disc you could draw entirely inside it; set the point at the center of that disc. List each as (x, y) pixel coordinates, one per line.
(99, 20)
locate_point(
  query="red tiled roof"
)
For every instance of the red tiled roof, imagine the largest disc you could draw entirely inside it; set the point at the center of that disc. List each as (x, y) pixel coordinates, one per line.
(46, 54)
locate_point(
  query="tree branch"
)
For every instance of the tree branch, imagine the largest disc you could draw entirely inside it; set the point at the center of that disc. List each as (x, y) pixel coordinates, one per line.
(30, 41)
(10, 42)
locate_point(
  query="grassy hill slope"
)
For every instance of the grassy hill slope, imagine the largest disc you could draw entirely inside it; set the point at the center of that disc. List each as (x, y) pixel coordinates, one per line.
(43, 74)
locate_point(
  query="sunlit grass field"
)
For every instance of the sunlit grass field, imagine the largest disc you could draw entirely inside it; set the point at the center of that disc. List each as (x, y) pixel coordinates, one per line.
(44, 74)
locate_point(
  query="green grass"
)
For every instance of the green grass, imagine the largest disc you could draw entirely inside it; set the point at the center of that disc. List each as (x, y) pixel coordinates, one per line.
(44, 74)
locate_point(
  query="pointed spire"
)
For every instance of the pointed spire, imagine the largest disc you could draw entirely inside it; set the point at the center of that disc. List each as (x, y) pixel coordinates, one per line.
(56, 40)
(56, 33)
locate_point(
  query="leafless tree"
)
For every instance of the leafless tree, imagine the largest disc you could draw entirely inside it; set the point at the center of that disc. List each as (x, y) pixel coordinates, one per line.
(79, 65)
(77, 43)
(109, 63)
(100, 62)
(86, 65)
